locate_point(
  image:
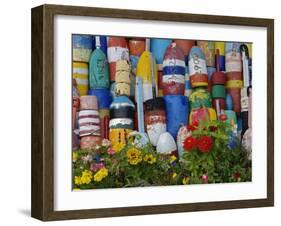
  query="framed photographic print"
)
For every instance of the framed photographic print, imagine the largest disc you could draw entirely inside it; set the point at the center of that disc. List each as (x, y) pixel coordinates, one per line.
(141, 112)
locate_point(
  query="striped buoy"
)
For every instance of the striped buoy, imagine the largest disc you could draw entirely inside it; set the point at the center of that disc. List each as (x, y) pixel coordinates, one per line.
(146, 72)
(220, 55)
(197, 68)
(208, 49)
(99, 71)
(88, 103)
(80, 73)
(119, 130)
(122, 107)
(89, 123)
(233, 61)
(82, 46)
(173, 71)
(117, 50)
(177, 109)
(234, 83)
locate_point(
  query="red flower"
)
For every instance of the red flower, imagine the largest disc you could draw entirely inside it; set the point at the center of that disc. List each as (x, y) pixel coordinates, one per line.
(205, 144)
(213, 128)
(189, 143)
(223, 117)
(191, 128)
(237, 175)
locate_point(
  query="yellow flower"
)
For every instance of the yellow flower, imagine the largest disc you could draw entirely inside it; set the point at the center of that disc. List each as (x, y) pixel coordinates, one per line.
(102, 173)
(77, 180)
(86, 177)
(173, 158)
(174, 175)
(74, 156)
(134, 156)
(185, 180)
(118, 147)
(149, 159)
(76, 189)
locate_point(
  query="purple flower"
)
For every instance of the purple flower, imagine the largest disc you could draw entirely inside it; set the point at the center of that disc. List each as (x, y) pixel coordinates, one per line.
(204, 178)
(96, 166)
(110, 151)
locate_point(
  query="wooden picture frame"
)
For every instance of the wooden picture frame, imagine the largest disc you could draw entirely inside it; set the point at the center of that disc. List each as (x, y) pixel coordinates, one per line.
(42, 203)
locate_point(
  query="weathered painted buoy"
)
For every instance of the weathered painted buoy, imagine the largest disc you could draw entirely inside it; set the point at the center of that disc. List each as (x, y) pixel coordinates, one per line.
(218, 78)
(202, 115)
(208, 49)
(200, 97)
(233, 61)
(166, 144)
(147, 71)
(155, 119)
(89, 123)
(183, 133)
(218, 91)
(90, 142)
(185, 46)
(82, 46)
(122, 78)
(197, 68)
(119, 130)
(88, 103)
(136, 48)
(187, 84)
(122, 107)
(234, 83)
(99, 71)
(220, 55)
(80, 74)
(117, 50)
(104, 100)
(173, 71)
(177, 109)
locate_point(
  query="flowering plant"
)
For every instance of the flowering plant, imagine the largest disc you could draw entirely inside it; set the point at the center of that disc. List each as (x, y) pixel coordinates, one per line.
(213, 154)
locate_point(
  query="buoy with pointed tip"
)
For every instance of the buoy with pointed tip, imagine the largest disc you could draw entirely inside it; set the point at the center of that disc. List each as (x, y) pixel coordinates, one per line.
(166, 144)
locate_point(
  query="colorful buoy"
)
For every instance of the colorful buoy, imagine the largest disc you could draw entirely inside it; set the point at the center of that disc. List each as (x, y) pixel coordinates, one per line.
(166, 144)
(82, 46)
(233, 61)
(200, 97)
(177, 109)
(80, 74)
(208, 49)
(147, 70)
(202, 114)
(173, 79)
(117, 50)
(99, 71)
(220, 55)
(122, 78)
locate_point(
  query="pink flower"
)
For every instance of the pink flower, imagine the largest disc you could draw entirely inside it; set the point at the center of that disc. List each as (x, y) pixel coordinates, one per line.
(204, 178)
(110, 151)
(96, 166)
(87, 158)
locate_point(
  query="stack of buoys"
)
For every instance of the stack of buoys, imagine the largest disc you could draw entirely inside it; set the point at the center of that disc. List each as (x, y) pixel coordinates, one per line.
(89, 122)
(122, 114)
(233, 66)
(200, 99)
(147, 70)
(158, 48)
